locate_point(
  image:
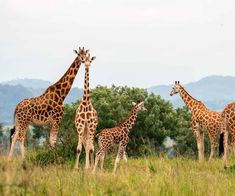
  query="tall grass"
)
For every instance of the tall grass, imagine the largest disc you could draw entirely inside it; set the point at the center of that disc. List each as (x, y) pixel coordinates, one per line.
(149, 176)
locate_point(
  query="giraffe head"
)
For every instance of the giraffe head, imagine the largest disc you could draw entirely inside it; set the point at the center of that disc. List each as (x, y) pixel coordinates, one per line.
(176, 88)
(139, 106)
(82, 54)
(88, 59)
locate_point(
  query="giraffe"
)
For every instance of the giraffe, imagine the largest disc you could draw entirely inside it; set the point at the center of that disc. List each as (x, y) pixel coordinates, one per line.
(203, 119)
(45, 109)
(117, 135)
(229, 115)
(86, 121)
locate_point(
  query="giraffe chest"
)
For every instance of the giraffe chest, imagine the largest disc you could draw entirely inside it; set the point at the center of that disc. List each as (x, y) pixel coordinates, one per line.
(85, 111)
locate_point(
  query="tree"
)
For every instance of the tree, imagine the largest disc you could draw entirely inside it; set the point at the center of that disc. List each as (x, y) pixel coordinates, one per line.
(149, 132)
(113, 105)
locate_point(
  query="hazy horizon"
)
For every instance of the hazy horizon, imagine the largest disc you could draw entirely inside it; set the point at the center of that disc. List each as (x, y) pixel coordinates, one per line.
(137, 43)
(81, 85)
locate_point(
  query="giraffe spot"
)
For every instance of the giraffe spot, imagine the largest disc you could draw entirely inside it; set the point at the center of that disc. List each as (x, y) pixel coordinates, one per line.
(52, 88)
(64, 85)
(58, 86)
(82, 115)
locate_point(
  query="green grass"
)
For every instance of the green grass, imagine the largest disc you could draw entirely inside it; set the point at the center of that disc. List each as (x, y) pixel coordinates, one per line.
(150, 176)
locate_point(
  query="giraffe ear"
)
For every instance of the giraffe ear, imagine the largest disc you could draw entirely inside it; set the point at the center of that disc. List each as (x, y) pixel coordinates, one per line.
(93, 58)
(76, 51)
(133, 103)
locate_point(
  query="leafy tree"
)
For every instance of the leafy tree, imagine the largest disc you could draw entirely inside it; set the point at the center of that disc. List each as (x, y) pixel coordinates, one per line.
(113, 105)
(148, 134)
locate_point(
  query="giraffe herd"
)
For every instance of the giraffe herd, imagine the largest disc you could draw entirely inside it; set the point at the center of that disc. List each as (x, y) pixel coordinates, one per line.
(48, 109)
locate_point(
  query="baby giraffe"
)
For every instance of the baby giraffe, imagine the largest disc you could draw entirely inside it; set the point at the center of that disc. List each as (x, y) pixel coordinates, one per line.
(117, 135)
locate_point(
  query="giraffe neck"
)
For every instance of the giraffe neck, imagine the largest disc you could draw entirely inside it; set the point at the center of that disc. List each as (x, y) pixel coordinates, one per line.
(130, 120)
(63, 86)
(189, 101)
(86, 84)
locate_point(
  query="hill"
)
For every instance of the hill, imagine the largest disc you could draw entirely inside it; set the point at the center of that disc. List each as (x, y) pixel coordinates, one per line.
(215, 91)
(29, 83)
(13, 92)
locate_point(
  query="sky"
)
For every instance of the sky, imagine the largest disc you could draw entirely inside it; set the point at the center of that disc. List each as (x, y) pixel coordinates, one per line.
(136, 43)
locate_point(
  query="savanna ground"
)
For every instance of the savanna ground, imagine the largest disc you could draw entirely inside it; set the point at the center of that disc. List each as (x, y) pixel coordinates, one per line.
(142, 176)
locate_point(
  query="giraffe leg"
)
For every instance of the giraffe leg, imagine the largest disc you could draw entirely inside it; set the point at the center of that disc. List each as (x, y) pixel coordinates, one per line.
(200, 145)
(199, 139)
(91, 127)
(80, 131)
(13, 142)
(125, 157)
(98, 156)
(89, 154)
(92, 156)
(225, 149)
(102, 162)
(87, 164)
(22, 149)
(53, 134)
(119, 156)
(233, 141)
(19, 129)
(213, 146)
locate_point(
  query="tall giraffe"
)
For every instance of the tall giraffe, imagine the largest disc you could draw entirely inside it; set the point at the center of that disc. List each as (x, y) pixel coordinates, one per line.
(86, 120)
(45, 109)
(117, 135)
(229, 114)
(203, 119)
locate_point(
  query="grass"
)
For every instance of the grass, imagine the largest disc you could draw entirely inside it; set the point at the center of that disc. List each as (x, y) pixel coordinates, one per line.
(150, 176)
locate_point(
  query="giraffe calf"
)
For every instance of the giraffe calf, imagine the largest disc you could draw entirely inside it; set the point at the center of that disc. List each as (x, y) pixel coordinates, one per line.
(117, 135)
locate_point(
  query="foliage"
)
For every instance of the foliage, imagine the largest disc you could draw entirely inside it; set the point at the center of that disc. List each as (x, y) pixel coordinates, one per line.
(149, 132)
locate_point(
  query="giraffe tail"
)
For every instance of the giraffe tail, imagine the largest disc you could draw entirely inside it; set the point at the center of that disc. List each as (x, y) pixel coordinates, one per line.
(221, 144)
(12, 130)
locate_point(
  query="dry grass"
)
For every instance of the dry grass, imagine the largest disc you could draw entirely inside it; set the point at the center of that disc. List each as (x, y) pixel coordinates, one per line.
(150, 176)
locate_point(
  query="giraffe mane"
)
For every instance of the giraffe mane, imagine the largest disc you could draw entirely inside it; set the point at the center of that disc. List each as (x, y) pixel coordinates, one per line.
(192, 96)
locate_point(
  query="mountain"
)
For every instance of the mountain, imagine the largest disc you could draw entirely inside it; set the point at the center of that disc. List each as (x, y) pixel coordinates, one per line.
(215, 91)
(29, 83)
(12, 93)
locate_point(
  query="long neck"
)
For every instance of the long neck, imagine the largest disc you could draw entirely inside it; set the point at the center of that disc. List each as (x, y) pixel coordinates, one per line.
(63, 86)
(86, 83)
(190, 102)
(130, 120)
